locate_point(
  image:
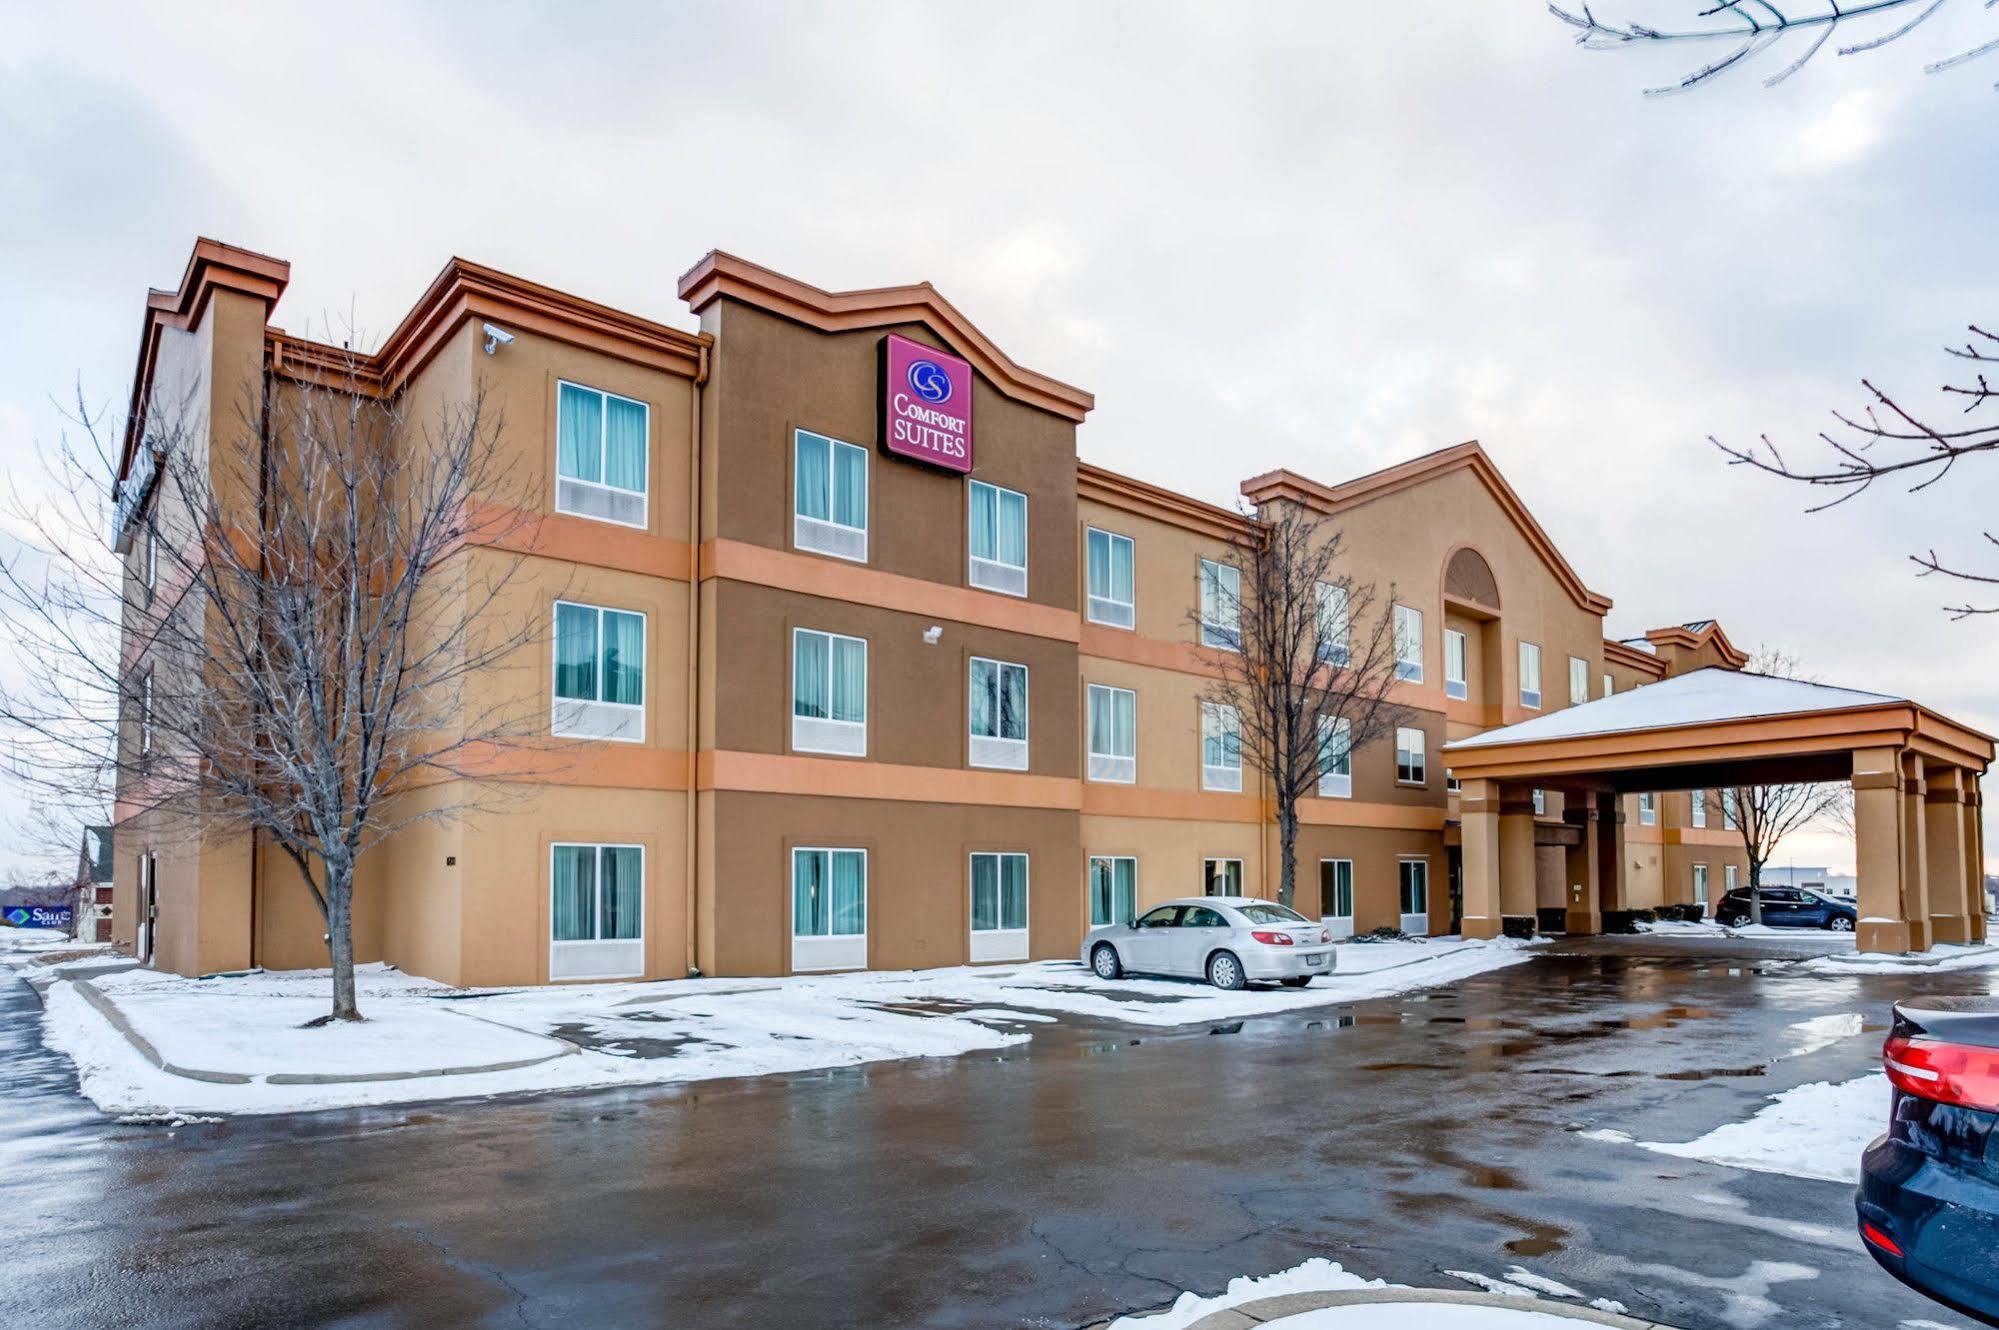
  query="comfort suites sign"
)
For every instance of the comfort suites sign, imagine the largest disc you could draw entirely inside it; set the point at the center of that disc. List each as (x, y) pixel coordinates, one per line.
(926, 404)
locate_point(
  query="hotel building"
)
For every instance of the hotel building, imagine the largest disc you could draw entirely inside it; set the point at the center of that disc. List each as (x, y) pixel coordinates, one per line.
(854, 663)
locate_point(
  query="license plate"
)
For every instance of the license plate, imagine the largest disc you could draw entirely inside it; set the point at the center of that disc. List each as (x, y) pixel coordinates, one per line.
(1315, 960)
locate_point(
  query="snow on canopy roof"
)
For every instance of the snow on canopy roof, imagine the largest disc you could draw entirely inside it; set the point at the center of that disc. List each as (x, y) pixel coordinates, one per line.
(1699, 697)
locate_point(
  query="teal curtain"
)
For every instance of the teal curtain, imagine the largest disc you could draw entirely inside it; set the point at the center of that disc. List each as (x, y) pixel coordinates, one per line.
(985, 699)
(850, 679)
(576, 652)
(1101, 885)
(985, 521)
(625, 444)
(624, 657)
(810, 473)
(808, 893)
(1121, 570)
(1012, 533)
(1013, 702)
(1124, 887)
(1335, 750)
(985, 892)
(579, 433)
(1100, 721)
(1013, 891)
(850, 486)
(574, 893)
(1124, 722)
(809, 654)
(1221, 736)
(1097, 560)
(623, 888)
(849, 906)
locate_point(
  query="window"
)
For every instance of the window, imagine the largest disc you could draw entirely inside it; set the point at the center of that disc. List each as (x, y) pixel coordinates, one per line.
(1729, 812)
(600, 671)
(1700, 884)
(1113, 889)
(1451, 782)
(1540, 803)
(152, 557)
(1335, 757)
(1728, 876)
(1414, 881)
(600, 455)
(146, 715)
(829, 496)
(829, 693)
(999, 907)
(1607, 689)
(1456, 683)
(1578, 681)
(1223, 877)
(1530, 675)
(1221, 747)
(1113, 734)
(998, 538)
(1334, 647)
(1697, 808)
(1409, 769)
(596, 913)
(829, 909)
(1336, 891)
(1108, 562)
(1221, 605)
(1648, 809)
(1408, 644)
(999, 714)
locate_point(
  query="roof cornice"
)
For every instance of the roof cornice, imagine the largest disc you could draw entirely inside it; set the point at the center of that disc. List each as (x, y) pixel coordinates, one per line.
(1631, 658)
(1679, 635)
(1333, 499)
(1132, 495)
(719, 275)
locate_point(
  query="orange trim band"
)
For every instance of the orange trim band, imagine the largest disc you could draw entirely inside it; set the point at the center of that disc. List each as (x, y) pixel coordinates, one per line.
(787, 773)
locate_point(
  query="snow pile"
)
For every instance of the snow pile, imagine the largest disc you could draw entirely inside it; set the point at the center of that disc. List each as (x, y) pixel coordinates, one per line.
(1317, 1275)
(1943, 956)
(1815, 1131)
(1423, 1316)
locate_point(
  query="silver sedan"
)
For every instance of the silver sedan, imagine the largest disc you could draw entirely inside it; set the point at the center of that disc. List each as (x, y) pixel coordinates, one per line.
(1227, 940)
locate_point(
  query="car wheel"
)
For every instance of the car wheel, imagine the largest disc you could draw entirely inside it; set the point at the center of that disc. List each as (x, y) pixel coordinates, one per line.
(1296, 981)
(1730, 920)
(1839, 923)
(1105, 962)
(1225, 971)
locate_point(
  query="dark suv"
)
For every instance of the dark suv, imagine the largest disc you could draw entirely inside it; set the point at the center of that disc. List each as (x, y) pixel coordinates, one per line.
(1929, 1189)
(1787, 907)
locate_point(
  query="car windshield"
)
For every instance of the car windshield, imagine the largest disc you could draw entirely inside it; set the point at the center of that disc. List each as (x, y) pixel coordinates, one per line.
(1263, 912)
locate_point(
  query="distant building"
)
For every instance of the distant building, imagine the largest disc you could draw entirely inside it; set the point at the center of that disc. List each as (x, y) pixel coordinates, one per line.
(1844, 885)
(93, 886)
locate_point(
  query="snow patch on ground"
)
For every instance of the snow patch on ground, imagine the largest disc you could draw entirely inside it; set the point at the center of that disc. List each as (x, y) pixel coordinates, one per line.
(1944, 956)
(1824, 1031)
(1423, 1316)
(1814, 1131)
(1317, 1275)
(1491, 1285)
(37, 953)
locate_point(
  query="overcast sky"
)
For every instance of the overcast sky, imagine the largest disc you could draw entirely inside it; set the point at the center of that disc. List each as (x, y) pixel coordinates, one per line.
(1311, 236)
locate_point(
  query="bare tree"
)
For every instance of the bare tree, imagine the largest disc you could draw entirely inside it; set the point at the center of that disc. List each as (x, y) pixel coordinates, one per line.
(1305, 662)
(1752, 27)
(1888, 440)
(285, 652)
(1765, 814)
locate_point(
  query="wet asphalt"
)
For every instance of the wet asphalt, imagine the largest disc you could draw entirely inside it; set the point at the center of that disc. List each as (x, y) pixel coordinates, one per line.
(1092, 1171)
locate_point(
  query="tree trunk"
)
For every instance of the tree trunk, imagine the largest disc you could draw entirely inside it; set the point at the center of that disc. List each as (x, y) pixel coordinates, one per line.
(340, 939)
(1287, 851)
(1755, 892)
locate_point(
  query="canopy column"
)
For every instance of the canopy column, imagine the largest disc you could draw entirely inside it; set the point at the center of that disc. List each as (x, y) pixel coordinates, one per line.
(1877, 849)
(1915, 853)
(1955, 895)
(1585, 914)
(1974, 853)
(1516, 861)
(1610, 881)
(1478, 814)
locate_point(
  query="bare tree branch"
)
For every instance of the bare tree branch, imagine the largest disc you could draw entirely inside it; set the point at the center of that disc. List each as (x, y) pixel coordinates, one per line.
(1764, 815)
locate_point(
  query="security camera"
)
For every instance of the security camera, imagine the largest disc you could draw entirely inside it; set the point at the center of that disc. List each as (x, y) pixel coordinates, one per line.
(496, 338)
(932, 634)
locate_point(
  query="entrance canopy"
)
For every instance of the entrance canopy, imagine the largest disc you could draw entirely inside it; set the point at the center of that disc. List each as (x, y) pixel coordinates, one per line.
(1915, 777)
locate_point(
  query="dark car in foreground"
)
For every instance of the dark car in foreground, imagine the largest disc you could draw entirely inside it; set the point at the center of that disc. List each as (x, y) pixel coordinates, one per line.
(1929, 1189)
(1787, 907)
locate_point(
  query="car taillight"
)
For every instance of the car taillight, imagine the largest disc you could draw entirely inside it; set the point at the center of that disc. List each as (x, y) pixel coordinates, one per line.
(1961, 1074)
(1880, 1239)
(1270, 939)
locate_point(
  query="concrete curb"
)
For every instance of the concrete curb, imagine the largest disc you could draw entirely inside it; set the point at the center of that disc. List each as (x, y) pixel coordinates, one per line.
(108, 1009)
(1264, 1310)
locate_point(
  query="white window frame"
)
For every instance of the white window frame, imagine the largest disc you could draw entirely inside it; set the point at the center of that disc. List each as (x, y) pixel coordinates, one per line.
(1608, 686)
(826, 951)
(1110, 768)
(1416, 925)
(996, 575)
(1731, 813)
(146, 715)
(1697, 808)
(1090, 870)
(1414, 749)
(587, 718)
(1215, 633)
(995, 750)
(1408, 638)
(1700, 884)
(823, 734)
(1540, 803)
(603, 430)
(1578, 681)
(621, 957)
(1729, 878)
(1335, 621)
(1108, 610)
(1457, 675)
(1648, 809)
(1225, 779)
(806, 533)
(1336, 784)
(1337, 925)
(1001, 944)
(1208, 877)
(152, 552)
(1530, 697)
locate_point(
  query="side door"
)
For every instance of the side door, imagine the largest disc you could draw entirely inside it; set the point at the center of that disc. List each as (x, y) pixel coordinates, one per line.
(1147, 944)
(1780, 907)
(1201, 930)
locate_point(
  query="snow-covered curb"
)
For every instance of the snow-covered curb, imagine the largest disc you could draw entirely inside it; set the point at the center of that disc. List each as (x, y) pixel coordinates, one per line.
(1944, 956)
(245, 1029)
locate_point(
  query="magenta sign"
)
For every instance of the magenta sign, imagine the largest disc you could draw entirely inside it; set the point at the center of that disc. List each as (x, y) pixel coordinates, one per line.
(926, 404)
